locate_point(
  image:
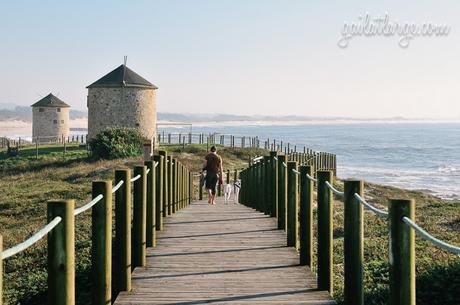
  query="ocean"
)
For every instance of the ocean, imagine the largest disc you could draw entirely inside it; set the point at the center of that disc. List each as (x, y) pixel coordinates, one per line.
(416, 156)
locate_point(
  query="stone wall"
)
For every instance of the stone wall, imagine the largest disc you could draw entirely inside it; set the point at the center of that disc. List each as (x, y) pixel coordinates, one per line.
(122, 107)
(50, 122)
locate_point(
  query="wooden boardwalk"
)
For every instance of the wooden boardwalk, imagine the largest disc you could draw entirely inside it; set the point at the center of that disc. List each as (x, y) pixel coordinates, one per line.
(222, 254)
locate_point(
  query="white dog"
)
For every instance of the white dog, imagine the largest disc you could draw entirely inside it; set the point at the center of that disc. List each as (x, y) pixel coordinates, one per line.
(228, 190)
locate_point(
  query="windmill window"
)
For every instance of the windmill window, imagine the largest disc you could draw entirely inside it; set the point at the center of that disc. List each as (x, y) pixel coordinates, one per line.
(62, 121)
(55, 121)
(41, 109)
(58, 110)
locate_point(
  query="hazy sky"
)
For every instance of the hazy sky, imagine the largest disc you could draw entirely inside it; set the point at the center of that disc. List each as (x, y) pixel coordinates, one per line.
(241, 57)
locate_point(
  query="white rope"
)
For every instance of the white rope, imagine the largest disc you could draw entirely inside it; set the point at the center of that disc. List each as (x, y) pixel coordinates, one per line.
(147, 171)
(284, 164)
(426, 236)
(311, 178)
(88, 206)
(116, 187)
(257, 158)
(135, 178)
(31, 240)
(156, 164)
(370, 207)
(276, 159)
(296, 172)
(334, 190)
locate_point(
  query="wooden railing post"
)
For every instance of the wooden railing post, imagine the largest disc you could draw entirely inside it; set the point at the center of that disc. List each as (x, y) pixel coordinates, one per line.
(306, 215)
(402, 253)
(139, 218)
(264, 189)
(165, 183)
(170, 184)
(190, 187)
(175, 180)
(293, 197)
(122, 267)
(353, 243)
(282, 192)
(61, 253)
(159, 180)
(200, 187)
(273, 184)
(101, 249)
(151, 205)
(325, 232)
(1, 269)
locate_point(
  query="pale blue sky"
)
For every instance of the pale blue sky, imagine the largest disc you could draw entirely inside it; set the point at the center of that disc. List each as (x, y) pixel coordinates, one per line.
(229, 56)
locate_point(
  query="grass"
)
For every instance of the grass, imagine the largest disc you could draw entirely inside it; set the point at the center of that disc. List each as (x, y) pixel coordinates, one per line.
(26, 184)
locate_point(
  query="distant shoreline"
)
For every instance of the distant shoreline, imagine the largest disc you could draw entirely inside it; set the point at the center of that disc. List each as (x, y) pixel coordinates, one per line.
(20, 128)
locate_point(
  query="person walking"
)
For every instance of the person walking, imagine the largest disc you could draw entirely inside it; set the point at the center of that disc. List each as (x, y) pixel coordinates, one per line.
(214, 169)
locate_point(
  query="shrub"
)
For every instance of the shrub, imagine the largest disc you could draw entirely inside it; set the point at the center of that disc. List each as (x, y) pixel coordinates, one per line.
(114, 143)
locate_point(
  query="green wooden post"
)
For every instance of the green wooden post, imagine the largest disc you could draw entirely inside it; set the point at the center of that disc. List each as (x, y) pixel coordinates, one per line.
(159, 180)
(402, 253)
(274, 184)
(122, 268)
(170, 184)
(266, 178)
(228, 177)
(165, 183)
(190, 187)
(174, 190)
(353, 243)
(151, 205)
(1, 270)
(61, 253)
(306, 215)
(139, 218)
(282, 192)
(101, 249)
(200, 187)
(325, 230)
(293, 182)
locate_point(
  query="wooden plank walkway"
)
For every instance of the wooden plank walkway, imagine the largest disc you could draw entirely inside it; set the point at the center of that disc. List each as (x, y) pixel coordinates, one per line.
(222, 254)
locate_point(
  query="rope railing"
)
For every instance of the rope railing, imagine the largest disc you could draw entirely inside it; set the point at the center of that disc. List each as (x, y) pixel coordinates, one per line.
(88, 206)
(311, 178)
(156, 164)
(334, 190)
(116, 187)
(284, 164)
(370, 207)
(135, 178)
(147, 171)
(257, 158)
(428, 237)
(31, 240)
(295, 171)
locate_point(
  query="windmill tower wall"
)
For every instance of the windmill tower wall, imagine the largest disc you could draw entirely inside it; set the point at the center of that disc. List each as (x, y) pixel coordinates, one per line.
(122, 107)
(50, 119)
(50, 122)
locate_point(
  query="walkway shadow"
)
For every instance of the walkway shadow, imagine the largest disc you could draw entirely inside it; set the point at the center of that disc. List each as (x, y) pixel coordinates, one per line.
(215, 251)
(249, 297)
(217, 220)
(217, 234)
(213, 272)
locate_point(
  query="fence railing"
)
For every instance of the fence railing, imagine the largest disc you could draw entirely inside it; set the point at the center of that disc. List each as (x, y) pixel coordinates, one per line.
(284, 189)
(157, 190)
